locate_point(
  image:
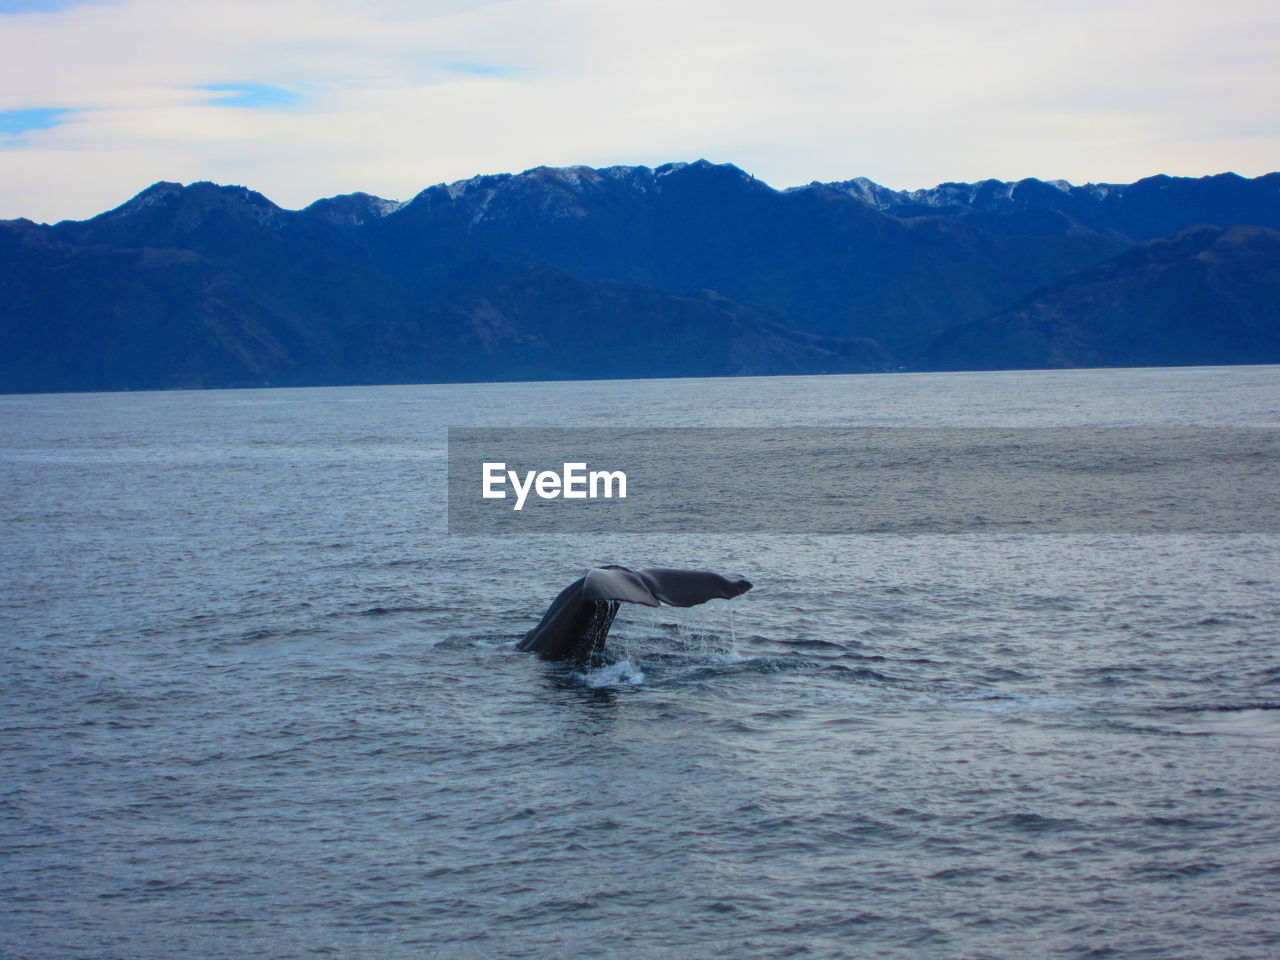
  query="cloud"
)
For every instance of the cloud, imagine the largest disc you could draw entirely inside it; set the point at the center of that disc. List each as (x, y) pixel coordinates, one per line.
(253, 96)
(479, 69)
(307, 98)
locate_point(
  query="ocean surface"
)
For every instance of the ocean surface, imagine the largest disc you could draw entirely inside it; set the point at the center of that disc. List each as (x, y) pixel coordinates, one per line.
(255, 701)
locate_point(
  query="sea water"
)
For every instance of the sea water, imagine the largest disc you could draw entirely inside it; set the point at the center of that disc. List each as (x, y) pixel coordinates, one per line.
(255, 700)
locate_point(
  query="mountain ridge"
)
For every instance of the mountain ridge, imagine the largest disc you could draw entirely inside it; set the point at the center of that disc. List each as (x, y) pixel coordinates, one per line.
(558, 272)
(946, 195)
(1074, 322)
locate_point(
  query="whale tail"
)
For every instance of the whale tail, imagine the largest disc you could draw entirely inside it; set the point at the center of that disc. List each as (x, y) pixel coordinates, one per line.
(578, 620)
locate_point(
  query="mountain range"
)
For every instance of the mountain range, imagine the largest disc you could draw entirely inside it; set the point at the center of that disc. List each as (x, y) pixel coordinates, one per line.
(694, 269)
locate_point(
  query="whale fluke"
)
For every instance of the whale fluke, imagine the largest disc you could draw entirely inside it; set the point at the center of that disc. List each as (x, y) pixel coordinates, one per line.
(578, 620)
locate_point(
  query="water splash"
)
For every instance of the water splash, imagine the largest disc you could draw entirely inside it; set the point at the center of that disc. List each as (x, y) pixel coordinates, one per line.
(693, 637)
(620, 673)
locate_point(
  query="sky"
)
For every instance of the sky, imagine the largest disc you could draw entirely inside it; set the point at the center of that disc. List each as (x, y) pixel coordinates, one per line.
(301, 99)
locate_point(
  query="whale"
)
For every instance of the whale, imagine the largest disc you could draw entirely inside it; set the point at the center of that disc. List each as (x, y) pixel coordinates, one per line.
(577, 622)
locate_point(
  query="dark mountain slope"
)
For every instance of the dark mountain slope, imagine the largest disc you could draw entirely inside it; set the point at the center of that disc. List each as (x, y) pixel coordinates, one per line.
(106, 318)
(102, 318)
(537, 323)
(1208, 295)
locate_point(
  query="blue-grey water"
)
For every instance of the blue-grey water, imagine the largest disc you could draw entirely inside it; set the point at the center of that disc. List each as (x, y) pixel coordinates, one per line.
(256, 702)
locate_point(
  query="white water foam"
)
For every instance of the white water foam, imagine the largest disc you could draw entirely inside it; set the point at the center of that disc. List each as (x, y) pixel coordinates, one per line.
(622, 673)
